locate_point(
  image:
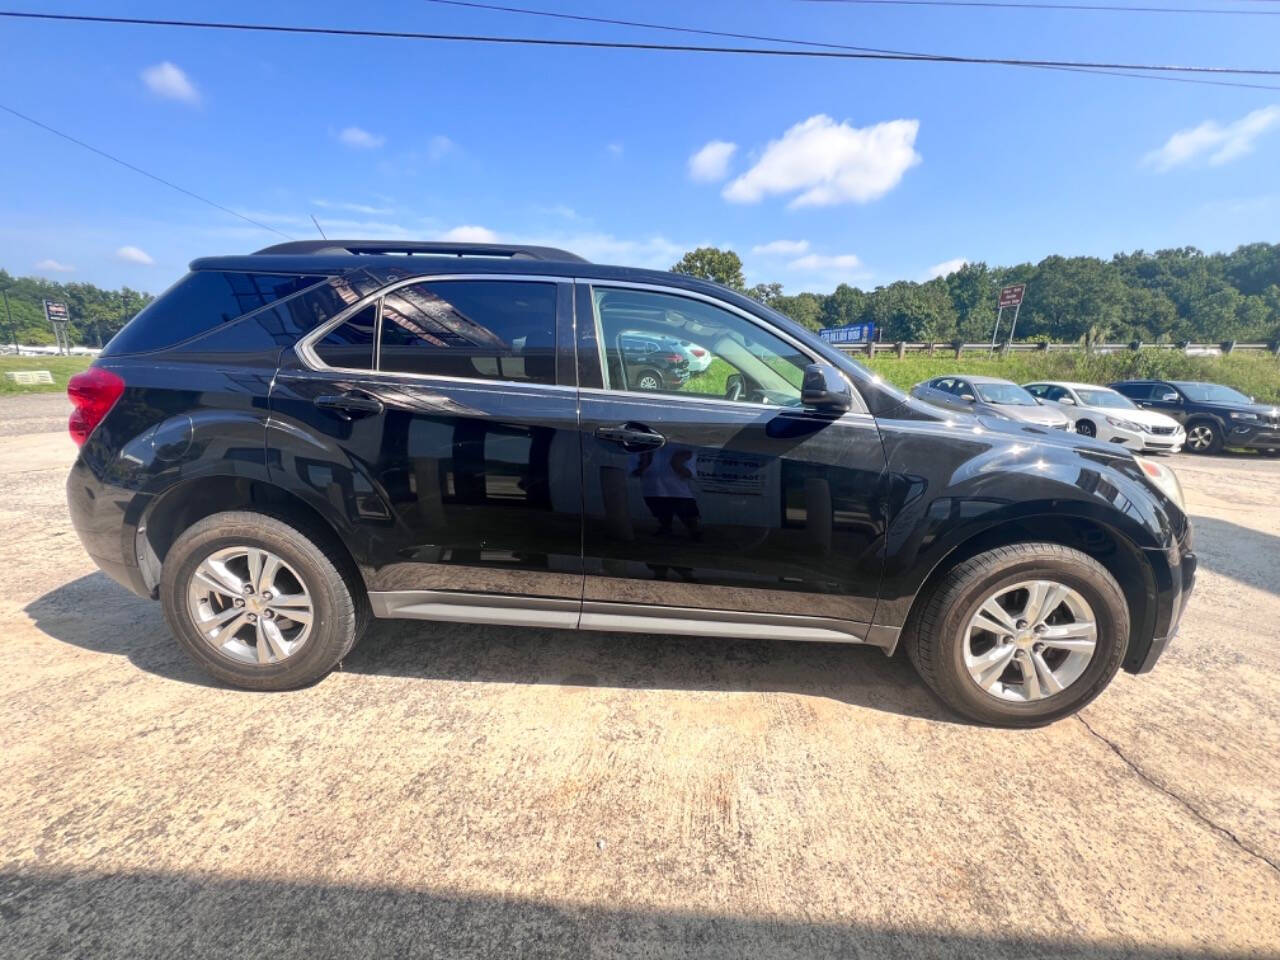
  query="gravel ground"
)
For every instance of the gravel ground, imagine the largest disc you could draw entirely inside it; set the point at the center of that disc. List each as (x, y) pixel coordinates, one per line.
(471, 791)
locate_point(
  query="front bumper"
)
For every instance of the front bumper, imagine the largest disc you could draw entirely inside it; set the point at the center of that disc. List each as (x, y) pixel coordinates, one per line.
(1254, 436)
(1164, 442)
(1172, 597)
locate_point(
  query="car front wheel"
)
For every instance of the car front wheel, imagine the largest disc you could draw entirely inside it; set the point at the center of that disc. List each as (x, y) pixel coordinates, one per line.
(261, 603)
(1203, 437)
(1020, 635)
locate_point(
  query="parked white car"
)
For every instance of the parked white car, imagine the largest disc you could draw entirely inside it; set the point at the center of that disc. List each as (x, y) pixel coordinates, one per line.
(1111, 416)
(698, 357)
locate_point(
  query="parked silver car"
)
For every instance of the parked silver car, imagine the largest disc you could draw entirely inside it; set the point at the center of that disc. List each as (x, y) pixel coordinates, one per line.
(991, 396)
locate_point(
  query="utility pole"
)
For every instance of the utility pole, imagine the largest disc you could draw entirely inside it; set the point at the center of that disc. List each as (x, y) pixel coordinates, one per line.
(13, 332)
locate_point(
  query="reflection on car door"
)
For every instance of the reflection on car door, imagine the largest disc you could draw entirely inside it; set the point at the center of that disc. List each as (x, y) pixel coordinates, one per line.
(694, 504)
(447, 442)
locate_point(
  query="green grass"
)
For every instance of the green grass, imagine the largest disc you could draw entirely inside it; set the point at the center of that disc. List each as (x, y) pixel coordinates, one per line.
(62, 368)
(1257, 375)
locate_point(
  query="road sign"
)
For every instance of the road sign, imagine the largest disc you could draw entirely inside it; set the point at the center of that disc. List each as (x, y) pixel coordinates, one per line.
(1011, 296)
(55, 310)
(853, 333)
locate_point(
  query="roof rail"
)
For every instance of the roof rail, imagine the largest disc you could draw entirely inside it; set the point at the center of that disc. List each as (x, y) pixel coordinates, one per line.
(413, 247)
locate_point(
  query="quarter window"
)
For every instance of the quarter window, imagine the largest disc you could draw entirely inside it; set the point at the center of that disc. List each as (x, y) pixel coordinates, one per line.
(658, 342)
(350, 345)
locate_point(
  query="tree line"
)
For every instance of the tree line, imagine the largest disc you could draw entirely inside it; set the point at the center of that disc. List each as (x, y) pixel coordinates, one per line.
(1176, 295)
(1166, 296)
(96, 314)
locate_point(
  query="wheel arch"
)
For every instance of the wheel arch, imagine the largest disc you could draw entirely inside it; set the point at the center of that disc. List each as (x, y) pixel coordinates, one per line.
(1124, 559)
(190, 501)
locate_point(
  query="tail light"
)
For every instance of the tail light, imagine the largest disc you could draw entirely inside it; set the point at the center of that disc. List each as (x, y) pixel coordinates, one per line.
(673, 358)
(93, 392)
(698, 352)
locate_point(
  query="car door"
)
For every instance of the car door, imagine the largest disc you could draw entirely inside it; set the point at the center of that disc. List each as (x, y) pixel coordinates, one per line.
(433, 420)
(750, 516)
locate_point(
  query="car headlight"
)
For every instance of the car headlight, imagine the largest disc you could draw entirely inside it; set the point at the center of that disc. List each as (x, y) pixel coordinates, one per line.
(1241, 415)
(1124, 424)
(1164, 480)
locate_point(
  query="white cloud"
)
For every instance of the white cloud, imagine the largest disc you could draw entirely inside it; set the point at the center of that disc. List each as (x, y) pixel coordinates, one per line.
(946, 267)
(167, 80)
(360, 138)
(711, 163)
(614, 148)
(440, 147)
(824, 263)
(782, 248)
(134, 255)
(1221, 143)
(470, 233)
(830, 163)
(54, 266)
(363, 208)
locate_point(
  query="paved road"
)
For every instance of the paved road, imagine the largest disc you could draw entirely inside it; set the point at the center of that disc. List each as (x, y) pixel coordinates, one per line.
(475, 791)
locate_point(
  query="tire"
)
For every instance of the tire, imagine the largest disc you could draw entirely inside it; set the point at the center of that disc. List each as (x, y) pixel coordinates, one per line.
(649, 380)
(1203, 436)
(937, 633)
(1086, 428)
(309, 558)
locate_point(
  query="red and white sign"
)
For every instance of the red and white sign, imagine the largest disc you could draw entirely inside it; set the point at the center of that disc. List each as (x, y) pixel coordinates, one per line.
(1011, 296)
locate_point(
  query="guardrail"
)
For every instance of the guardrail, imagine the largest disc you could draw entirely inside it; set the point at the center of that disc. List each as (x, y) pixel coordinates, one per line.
(956, 348)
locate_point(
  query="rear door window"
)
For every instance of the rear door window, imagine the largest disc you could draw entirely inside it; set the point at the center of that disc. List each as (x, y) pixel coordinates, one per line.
(199, 302)
(474, 329)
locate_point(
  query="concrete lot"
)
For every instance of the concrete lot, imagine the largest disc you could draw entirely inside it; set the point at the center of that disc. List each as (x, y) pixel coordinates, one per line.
(462, 790)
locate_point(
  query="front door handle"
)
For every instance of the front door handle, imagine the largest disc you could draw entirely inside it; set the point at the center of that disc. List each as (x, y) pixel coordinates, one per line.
(349, 405)
(632, 437)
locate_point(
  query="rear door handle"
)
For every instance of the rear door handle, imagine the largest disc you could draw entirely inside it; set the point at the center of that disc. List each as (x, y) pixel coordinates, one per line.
(349, 405)
(631, 437)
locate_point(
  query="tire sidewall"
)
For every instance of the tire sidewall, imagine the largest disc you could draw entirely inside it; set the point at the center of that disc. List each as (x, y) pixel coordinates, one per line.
(1215, 437)
(1109, 608)
(325, 644)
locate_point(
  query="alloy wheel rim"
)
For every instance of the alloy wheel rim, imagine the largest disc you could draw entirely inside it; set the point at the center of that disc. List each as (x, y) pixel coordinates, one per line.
(1030, 641)
(648, 383)
(1200, 437)
(250, 605)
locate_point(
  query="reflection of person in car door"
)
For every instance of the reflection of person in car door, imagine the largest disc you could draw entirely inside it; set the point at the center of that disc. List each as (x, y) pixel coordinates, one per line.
(667, 476)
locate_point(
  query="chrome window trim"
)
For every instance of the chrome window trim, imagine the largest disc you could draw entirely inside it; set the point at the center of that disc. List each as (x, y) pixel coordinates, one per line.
(657, 396)
(721, 304)
(305, 344)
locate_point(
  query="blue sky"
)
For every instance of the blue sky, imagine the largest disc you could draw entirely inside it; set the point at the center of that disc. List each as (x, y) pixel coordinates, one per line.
(865, 172)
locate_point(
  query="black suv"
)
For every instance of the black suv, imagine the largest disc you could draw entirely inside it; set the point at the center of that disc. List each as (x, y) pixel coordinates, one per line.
(287, 443)
(1215, 416)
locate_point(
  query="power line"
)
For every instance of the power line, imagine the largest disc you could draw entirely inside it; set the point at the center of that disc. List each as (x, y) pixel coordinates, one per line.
(1092, 7)
(815, 43)
(618, 45)
(136, 169)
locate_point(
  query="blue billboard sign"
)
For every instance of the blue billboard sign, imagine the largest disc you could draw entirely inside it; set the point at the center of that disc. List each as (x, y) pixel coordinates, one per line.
(853, 333)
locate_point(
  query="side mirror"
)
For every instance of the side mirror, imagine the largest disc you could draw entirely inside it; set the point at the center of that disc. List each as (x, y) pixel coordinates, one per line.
(825, 388)
(1068, 401)
(968, 398)
(1169, 397)
(735, 388)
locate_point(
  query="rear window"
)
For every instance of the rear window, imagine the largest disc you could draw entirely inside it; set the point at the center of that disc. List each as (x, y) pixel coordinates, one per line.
(199, 302)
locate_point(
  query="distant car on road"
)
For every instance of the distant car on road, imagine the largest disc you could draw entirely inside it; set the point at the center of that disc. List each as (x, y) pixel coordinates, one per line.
(1214, 416)
(1111, 416)
(992, 396)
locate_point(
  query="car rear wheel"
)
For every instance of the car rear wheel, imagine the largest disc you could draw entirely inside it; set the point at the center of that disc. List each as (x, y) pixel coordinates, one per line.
(1204, 437)
(1021, 635)
(261, 603)
(1086, 428)
(648, 380)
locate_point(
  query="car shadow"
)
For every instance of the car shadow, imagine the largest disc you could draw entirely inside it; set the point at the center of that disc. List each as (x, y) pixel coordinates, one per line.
(1241, 553)
(95, 614)
(154, 913)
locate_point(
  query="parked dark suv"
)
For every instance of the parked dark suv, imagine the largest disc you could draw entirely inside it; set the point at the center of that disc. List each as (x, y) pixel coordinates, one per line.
(1215, 416)
(285, 444)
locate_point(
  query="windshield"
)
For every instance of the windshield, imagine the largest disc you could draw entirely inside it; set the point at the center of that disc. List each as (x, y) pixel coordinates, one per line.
(1211, 393)
(1006, 393)
(1105, 398)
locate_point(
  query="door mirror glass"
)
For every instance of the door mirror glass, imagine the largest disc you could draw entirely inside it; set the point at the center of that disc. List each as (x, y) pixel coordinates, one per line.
(1067, 400)
(1168, 396)
(824, 388)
